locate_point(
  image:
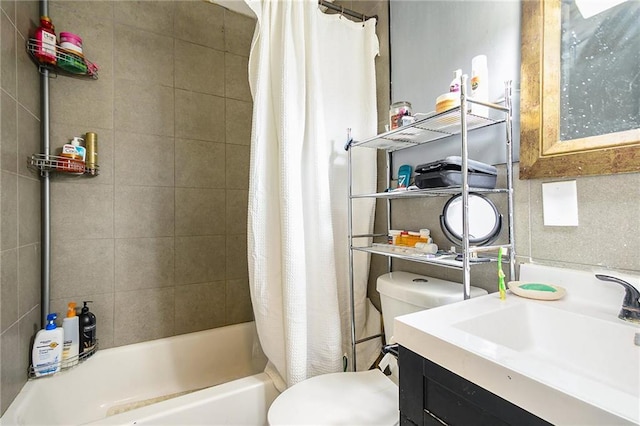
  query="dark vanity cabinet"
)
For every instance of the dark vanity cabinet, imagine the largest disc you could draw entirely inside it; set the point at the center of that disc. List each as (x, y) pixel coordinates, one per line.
(433, 395)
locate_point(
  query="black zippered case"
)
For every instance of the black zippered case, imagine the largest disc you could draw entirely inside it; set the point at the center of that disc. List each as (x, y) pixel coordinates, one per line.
(448, 172)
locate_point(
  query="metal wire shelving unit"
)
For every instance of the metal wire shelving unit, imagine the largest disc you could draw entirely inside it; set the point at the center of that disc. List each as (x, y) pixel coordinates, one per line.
(428, 128)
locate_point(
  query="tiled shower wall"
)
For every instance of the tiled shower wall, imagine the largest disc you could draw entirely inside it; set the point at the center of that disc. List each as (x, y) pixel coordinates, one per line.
(19, 198)
(158, 240)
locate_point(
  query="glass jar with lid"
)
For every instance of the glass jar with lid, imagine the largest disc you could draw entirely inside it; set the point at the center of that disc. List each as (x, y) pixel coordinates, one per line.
(396, 112)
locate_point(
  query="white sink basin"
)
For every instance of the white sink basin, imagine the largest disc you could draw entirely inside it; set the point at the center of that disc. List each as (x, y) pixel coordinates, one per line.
(591, 348)
(569, 362)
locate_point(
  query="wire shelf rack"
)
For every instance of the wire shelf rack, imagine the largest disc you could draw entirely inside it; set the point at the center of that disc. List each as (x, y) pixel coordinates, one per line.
(62, 57)
(37, 372)
(54, 163)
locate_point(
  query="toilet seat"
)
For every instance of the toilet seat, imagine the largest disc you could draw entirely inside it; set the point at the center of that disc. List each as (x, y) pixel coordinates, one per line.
(362, 398)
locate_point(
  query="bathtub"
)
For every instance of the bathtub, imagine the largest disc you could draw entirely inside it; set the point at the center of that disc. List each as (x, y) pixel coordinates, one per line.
(209, 377)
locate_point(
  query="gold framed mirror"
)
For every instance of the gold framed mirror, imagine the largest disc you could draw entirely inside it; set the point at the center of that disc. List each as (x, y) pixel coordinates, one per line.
(542, 152)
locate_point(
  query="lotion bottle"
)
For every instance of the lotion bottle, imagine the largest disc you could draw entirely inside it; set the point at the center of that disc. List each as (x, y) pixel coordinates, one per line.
(47, 348)
(71, 348)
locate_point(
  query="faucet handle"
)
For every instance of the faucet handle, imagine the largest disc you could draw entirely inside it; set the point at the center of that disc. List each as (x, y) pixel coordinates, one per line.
(630, 304)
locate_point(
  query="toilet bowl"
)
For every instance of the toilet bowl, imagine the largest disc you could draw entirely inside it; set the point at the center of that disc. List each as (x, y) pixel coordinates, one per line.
(365, 397)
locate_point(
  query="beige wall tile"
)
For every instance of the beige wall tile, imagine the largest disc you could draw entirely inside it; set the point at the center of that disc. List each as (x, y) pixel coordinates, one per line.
(28, 140)
(238, 123)
(28, 80)
(29, 324)
(28, 211)
(92, 11)
(607, 234)
(200, 259)
(155, 16)
(15, 347)
(27, 13)
(200, 22)
(82, 267)
(8, 288)
(8, 133)
(144, 159)
(199, 68)
(237, 77)
(13, 377)
(9, 218)
(142, 315)
(85, 102)
(144, 263)
(239, 308)
(200, 307)
(143, 108)
(104, 310)
(143, 55)
(200, 164)
(236, 256)
(28, 278)
(237, 168)
(238, 33)
(81, 210)
(144, 211)
(237, 206)
(9, 7)
(200, 211)
(199, 116)
(8, 53)
(521, 214)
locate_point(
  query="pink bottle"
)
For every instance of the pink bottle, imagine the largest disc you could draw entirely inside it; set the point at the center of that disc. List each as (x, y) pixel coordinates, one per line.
(46, 37)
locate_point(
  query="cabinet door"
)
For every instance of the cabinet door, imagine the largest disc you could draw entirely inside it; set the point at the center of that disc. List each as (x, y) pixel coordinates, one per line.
(433, 395)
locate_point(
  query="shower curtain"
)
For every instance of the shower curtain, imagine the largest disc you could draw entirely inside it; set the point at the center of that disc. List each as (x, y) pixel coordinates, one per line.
(312, 77)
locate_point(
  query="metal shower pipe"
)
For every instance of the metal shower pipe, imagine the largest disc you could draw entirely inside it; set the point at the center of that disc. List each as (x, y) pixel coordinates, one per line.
(45, 192)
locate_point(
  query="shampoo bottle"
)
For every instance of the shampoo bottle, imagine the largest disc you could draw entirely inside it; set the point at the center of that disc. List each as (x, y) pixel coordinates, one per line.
(47, 348)
(479, 85)
(71, 348)
(87, 328)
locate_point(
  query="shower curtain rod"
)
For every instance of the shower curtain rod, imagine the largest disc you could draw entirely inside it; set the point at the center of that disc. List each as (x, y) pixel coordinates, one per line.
(347, 12)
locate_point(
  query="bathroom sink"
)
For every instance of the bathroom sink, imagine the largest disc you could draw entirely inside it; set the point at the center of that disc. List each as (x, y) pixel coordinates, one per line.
(567, 361)
(554, 339)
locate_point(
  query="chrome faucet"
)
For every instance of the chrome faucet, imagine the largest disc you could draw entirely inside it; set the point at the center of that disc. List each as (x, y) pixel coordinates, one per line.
(630, 304)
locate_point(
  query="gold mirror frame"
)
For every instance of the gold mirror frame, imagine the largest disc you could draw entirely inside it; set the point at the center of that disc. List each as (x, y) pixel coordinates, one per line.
(542, 154)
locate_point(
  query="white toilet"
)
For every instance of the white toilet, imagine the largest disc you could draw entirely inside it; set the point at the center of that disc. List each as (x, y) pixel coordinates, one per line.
(364, 397)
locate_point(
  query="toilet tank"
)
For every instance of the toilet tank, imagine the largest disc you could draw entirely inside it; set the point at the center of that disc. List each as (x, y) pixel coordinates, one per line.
(404, 293)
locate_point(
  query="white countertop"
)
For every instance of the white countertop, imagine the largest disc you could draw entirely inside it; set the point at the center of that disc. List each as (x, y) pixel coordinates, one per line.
(570, 361)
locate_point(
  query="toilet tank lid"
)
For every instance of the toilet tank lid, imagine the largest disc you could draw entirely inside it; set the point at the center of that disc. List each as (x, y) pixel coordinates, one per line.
(420, 290)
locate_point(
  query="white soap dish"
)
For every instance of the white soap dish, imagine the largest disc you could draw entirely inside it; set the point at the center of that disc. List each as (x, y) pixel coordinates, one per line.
(539, 291)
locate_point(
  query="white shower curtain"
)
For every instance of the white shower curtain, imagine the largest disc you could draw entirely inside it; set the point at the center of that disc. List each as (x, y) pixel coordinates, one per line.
(312, 76)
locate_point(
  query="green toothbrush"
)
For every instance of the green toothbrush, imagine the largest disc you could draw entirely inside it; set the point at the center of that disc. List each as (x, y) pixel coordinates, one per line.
(503, 290)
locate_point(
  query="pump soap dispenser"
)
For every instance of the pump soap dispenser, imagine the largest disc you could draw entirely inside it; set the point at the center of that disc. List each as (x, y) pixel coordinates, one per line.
(87, 331)
(47, 348)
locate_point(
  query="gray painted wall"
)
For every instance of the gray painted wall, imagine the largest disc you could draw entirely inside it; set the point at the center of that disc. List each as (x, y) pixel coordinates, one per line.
(431, 39)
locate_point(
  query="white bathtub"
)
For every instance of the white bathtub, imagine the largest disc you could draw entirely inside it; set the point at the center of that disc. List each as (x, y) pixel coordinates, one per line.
(215, 373)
